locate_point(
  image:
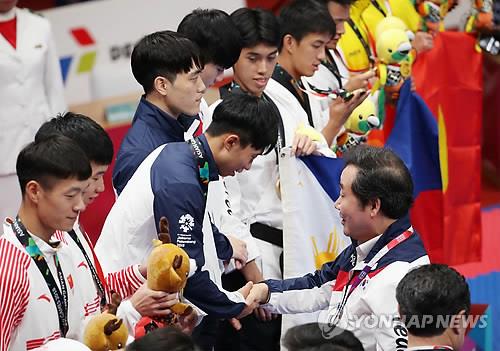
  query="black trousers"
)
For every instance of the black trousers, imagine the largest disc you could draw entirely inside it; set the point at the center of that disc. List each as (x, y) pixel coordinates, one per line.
(205, 334)
(254, 335)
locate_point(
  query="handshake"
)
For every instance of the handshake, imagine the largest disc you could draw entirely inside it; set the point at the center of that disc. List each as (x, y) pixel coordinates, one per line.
(255, 295)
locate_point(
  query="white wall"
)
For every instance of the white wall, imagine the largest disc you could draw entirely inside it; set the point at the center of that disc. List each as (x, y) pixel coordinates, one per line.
(115, 25)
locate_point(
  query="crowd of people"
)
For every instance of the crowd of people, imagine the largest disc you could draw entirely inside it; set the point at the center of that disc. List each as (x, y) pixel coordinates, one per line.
(212, 172)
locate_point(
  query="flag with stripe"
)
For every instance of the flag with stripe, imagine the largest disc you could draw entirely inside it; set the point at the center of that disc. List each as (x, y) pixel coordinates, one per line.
(312, 229)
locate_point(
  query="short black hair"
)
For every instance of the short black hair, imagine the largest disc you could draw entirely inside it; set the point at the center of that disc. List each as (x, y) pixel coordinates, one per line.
(253, 119)
(340, 2)
(53, 158)
(86, 132)
(169, 338)
(303, 17)
(257, 26)
(215, 34)
(164, 53)
(435, 291)
(381, 175)
(310, 337)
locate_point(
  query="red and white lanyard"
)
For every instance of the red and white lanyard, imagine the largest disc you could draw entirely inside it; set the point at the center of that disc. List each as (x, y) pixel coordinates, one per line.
(367, 269)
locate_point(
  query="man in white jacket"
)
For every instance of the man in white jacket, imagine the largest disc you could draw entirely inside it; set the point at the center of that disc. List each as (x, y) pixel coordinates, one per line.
(31, 90)
(40, 289)
(138, 299)
(357, 291)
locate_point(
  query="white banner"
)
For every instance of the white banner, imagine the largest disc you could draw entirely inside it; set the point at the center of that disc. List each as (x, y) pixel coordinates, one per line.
(94, 40)
(312, 229)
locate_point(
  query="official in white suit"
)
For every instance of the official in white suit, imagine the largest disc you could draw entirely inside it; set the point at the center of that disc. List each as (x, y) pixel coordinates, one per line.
(31, 91)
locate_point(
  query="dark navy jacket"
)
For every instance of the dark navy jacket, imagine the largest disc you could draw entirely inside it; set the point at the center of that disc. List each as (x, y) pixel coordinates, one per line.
(151, 128)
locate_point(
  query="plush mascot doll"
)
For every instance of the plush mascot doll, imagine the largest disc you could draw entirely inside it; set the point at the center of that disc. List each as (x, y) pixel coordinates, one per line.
(433, 13)
(357, 127)
(394, 61)
(485, 23)
(105, 331)
(168, 270)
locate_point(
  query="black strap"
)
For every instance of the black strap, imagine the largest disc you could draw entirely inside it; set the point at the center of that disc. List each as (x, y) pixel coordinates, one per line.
(60, 296)
(267, 233)
(378, 7)
(95, 276)
(293, 86)
(362, 39)
(330, 63)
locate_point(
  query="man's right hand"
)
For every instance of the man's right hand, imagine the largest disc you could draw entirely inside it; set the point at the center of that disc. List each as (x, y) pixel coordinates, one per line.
(423, 42)
(153, 303)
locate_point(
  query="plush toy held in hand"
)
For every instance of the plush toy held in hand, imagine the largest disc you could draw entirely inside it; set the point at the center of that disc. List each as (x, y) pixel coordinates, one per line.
(393, 61)
(357, 127)
(168, 270)
(105, 331)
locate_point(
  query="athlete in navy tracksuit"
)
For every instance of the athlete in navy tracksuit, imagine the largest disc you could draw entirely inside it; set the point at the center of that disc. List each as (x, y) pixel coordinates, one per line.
(173, 182)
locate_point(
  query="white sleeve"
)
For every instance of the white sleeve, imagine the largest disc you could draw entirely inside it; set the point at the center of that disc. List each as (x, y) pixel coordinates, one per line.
(53, 83)
(300, 301)
(198, 310)
(231, 223)
(129, 315)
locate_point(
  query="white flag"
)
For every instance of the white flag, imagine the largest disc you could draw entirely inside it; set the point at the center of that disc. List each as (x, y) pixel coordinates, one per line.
(312, 229)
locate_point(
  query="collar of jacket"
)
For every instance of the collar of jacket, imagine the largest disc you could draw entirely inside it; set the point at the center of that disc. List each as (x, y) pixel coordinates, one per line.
(156, 118)
(401, 225)
(395, 229)
(212, 166)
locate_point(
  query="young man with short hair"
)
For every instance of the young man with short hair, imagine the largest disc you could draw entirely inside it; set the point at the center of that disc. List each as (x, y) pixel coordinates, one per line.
(333, 73)
(218, 40)
(306, 28)
(173, 182)
(40, 292)
(375, 197)
(128, 282)
(259, 30)
(167, 65)
(434, 303)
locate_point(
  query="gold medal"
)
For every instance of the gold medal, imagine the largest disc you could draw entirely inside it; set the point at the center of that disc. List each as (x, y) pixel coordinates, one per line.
(278, 188)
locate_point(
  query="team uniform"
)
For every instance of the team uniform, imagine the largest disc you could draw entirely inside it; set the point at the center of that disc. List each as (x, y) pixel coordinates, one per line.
(31, 91)
(151, 127)
(353, 302)
(168, 184)
(29, 315)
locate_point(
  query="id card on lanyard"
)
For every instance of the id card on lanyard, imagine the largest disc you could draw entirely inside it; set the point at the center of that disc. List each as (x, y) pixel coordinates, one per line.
(356, 280)
(60, 296)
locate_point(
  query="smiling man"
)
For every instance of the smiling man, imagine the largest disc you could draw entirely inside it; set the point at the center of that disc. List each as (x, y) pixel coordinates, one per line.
(173, 181)
(359, 287)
